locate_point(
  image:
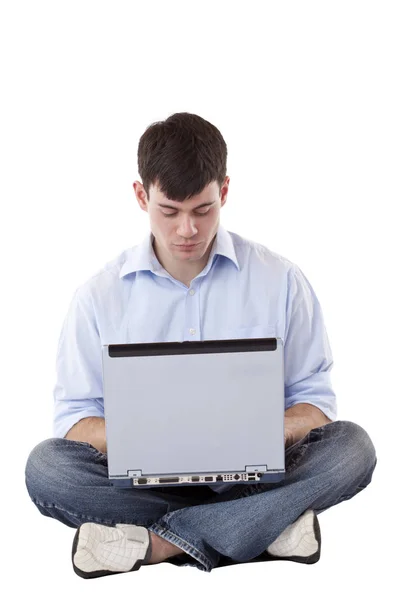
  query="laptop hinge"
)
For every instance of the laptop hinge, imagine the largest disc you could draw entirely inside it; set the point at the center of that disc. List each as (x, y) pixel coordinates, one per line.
(249, 469)
(256, 468)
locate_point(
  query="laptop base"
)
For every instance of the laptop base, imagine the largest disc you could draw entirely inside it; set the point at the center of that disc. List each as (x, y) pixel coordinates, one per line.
(212, 478)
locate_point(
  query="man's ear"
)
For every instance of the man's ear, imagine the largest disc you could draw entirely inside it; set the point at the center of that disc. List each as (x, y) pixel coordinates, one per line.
(224, 191)
(141, 195)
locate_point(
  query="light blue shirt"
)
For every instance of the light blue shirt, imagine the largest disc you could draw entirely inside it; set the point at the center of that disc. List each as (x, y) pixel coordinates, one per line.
(244, 291)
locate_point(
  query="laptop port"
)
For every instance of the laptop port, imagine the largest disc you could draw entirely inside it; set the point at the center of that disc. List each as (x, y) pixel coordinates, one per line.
(169, 480)
(195, 478)
(251, 474)
(219, 478)
(142, 480)
(208, 478)
(251, 479)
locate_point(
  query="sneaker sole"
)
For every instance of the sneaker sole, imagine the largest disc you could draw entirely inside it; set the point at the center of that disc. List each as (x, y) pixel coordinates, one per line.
(307, 560)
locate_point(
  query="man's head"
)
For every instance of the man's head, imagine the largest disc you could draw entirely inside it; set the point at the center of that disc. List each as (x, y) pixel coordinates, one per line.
(182, 163)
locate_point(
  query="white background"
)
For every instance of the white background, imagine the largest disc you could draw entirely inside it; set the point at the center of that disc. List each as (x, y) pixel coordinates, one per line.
(306, 95)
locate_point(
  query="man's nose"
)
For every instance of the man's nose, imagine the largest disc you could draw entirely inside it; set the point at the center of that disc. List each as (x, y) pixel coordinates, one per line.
(187, 227)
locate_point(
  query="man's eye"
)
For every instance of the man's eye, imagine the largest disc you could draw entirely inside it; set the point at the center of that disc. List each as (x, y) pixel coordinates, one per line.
(173, 214)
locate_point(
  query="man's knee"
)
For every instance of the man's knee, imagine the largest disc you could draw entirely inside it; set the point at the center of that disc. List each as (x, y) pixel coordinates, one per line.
(356, 445)
(41, 462)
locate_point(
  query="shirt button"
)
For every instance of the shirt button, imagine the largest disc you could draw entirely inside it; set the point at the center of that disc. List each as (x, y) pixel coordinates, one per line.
(192, 331)
(191, 292)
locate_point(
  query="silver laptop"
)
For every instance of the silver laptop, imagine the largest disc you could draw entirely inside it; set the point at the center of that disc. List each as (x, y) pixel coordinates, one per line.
(194, 413)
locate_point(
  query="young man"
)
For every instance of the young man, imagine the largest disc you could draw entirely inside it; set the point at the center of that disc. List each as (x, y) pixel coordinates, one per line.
(190, 279)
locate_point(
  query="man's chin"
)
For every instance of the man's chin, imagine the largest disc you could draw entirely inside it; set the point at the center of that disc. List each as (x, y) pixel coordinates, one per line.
(187, 255)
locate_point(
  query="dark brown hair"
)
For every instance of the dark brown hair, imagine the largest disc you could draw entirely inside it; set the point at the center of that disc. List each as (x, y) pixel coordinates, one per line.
(182, 155)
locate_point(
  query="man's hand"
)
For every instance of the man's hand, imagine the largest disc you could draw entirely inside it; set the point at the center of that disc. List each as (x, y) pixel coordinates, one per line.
(300, 419)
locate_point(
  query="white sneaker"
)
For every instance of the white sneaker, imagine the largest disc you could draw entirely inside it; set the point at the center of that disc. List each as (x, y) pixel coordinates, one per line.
(300, 542)
(100, 550)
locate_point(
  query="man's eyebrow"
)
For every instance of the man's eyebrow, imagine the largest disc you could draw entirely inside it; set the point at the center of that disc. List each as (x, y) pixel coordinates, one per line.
(196, 207)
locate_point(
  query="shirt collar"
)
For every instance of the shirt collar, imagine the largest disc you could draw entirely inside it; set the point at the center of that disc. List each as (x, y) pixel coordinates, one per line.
(143, 258)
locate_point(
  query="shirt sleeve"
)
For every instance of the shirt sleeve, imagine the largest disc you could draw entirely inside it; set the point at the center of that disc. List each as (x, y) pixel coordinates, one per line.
(78, 392)
(307, 352)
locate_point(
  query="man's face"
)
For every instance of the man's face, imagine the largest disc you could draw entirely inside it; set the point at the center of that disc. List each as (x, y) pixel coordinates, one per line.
(173, 224)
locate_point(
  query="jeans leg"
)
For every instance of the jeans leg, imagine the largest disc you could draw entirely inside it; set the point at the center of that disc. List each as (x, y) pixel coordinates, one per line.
(68, 481)
(330, 464)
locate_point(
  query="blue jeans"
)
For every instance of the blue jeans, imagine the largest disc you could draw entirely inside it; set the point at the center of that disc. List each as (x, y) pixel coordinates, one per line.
(68, 481)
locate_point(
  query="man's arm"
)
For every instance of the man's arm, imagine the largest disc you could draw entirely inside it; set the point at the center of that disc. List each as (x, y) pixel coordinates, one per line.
(310, 401)
(300, 419)
(78, 392)
(91, 430)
